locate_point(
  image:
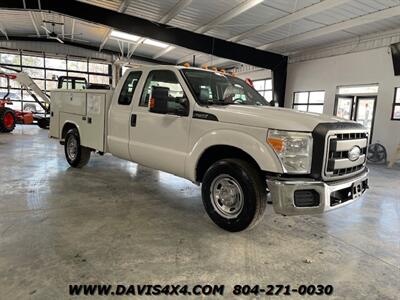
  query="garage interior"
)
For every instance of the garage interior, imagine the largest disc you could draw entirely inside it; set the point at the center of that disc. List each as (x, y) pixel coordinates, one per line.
(114, 221)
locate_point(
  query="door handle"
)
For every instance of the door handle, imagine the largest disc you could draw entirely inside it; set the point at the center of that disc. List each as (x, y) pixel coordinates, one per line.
(133, 120)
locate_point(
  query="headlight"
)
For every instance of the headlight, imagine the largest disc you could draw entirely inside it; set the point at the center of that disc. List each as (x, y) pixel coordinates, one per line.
(294, 149)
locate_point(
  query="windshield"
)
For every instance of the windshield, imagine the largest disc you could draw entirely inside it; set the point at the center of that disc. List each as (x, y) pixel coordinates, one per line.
(212, 88)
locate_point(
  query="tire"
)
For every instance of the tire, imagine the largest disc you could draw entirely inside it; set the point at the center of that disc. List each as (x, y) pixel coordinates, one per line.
(43, 123)
(76, 155)
(234, 178)
(7, 119)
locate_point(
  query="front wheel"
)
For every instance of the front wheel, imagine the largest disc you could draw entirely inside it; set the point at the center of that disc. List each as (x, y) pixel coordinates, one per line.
(76, 155)
(7, 119)
(234, 195)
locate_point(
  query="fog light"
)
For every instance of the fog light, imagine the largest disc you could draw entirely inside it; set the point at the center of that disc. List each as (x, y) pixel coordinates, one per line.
(306, 198)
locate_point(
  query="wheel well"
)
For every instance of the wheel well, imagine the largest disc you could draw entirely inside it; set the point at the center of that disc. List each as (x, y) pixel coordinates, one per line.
(67, 126)
(215, 153)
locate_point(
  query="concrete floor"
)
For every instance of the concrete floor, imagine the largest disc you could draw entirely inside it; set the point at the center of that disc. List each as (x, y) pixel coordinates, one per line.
(116, 222)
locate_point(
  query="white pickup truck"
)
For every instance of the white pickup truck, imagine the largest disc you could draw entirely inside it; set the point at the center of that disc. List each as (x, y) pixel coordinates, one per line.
(216, 130)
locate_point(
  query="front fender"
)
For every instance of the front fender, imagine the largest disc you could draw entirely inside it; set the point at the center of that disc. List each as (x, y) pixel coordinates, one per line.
(261, 153)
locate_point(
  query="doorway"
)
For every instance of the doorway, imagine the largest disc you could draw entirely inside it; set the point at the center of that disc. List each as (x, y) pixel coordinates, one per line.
(357, 108)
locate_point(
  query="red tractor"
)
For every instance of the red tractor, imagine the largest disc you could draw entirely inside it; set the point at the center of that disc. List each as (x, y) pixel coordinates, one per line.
(8, 116)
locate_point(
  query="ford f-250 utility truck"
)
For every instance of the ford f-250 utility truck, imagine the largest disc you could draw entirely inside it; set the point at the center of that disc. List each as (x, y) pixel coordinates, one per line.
(216, 130)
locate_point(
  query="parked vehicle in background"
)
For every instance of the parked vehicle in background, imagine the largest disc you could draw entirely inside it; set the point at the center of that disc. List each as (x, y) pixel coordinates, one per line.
(215, 130)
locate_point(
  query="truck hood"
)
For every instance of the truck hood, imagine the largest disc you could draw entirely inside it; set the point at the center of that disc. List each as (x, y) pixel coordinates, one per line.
(270, 117)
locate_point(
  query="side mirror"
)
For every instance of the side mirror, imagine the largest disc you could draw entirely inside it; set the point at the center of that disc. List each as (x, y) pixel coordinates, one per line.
(159, 100)
(182, 108)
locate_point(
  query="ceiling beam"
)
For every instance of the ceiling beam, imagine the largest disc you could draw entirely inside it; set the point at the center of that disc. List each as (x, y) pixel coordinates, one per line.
(218, 61)
(3, 30)
(105, 39)
(345, 25)
(63, 26)
(122, 8)
(134, 47)
(188, 57)
(34, 23)
(73, 29)
(295, 16)
(225, 17)
(172, 13)
(163, 52)
(230, 14)
(43, 23)
(83, 46)
(175, 10)
(161, 32)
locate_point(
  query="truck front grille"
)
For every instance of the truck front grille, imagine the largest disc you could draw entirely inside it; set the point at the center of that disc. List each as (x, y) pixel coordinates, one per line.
(339, 162)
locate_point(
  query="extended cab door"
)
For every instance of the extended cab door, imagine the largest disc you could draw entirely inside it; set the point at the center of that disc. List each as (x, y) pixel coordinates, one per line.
(119, 118)
(159, 140)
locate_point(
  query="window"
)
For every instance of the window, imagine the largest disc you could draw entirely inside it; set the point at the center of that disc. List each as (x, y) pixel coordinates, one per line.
(32, 61)
(264, 87)
(74, 65)
(45, 71)
(98, 68)
(74, 83)
(99, 79)
(167, 79)
(358, 89)
(396, 105)
(309, 101)
(125, 97)
(34, 73)
(56, 63)
(10, 59)
(211, 88)
(13, 95)
(53, 75)
(13, 83)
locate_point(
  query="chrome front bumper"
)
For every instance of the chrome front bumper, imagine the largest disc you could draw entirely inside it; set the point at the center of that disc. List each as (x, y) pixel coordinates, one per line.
(283, 193)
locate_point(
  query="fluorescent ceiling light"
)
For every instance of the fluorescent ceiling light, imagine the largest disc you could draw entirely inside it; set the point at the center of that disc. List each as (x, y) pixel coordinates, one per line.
(124, 36)
(155, 43)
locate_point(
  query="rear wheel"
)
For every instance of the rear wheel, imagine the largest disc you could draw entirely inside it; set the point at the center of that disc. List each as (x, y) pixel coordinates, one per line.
(7, 119)
(234, 195)
(76, 155)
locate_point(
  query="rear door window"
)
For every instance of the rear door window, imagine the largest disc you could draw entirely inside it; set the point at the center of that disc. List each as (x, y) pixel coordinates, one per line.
(125, 97)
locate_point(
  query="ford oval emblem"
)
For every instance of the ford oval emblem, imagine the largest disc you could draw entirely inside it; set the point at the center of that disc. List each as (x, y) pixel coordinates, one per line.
(354, 153)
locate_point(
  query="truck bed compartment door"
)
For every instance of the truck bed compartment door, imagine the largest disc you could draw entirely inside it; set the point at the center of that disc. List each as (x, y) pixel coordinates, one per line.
(93, 122)
(74, 102)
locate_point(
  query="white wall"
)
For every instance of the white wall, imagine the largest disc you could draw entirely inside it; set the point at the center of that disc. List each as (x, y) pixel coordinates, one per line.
(373, 66)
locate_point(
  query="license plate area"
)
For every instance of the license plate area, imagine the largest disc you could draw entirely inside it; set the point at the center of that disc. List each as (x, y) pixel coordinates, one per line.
(358, 188)
(350, 193)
